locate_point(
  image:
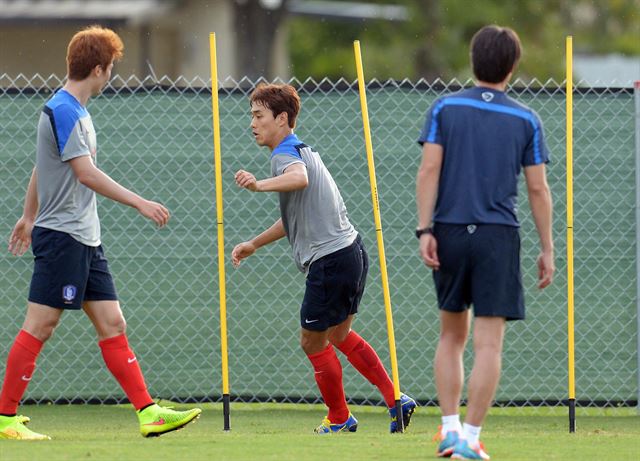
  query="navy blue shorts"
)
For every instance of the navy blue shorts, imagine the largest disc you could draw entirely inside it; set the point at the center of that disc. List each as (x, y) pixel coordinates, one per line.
(67, 272)
(334, 287)
(479, 265)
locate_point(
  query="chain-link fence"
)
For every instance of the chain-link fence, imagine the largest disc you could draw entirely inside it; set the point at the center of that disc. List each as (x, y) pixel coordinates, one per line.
(156, 138)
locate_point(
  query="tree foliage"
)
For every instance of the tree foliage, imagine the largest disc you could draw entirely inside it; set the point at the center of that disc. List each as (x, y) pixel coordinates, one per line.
(434, 42)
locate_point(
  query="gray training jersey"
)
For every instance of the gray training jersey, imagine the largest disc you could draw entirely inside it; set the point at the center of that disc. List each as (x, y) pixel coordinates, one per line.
(65, 131)
(315, 218)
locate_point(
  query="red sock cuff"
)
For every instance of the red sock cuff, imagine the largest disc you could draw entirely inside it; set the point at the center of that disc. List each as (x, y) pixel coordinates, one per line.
(322, 357)
(117, 342)
(350, 343)
(29, 342)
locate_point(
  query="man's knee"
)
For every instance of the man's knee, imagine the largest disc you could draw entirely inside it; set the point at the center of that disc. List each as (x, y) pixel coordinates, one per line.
(488, 346)
(106, 317)
(313, 342)
(115, 326)
(454, 328)
(454, 338)
(41, 321)
(308, 345)
(488, 335)
(338, 335)
(41, 329)
(110, 327)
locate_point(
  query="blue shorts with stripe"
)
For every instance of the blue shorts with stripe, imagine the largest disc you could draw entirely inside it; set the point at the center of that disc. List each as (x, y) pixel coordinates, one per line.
(67, 272)
(479, 266)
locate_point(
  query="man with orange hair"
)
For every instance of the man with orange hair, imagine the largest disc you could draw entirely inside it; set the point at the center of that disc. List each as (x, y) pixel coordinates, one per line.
(61, 222)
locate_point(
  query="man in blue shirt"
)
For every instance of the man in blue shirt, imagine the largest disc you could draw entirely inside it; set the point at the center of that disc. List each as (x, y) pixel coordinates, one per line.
(475, 143)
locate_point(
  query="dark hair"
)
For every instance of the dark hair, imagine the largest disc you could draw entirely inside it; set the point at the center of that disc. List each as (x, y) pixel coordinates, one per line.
(278, 99)
(91, 47)
(495, 52)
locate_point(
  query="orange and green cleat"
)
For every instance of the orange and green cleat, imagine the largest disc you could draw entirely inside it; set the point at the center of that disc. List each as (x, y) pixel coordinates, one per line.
(446, 443)
(13, 427)
(463, 450)
(327, 427)
(156, 420)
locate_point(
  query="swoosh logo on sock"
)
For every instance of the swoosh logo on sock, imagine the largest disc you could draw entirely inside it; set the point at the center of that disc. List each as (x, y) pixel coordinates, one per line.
(26, 378)
(160, 422)
(131, 360)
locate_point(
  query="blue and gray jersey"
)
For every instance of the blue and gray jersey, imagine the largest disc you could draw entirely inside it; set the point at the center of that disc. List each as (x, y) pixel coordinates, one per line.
(65, 131)
(315, 218)
(487, 138)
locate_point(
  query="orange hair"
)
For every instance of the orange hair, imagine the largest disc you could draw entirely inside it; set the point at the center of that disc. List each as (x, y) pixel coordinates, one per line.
(91, 47)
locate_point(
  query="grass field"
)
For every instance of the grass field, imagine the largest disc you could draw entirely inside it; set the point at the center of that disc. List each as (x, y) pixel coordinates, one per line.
(282, 432)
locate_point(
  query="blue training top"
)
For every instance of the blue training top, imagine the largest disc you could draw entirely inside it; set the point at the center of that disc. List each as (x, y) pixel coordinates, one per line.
(486, 138)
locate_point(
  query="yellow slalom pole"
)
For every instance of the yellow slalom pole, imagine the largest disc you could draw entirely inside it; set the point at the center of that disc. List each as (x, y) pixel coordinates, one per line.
(221, 275)
(570, 307)
(378, 224)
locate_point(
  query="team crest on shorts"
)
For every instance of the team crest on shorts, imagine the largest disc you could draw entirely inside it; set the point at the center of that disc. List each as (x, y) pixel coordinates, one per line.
(69, 293)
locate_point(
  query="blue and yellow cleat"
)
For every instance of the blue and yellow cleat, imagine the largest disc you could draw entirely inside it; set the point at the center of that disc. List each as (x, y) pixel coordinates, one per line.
(463, 450)
(327, 427)
(408, 407)
(446, 443)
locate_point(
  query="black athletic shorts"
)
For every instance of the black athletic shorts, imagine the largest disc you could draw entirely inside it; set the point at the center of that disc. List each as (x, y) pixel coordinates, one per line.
(67, 272)
(479, 265)
(334, 287)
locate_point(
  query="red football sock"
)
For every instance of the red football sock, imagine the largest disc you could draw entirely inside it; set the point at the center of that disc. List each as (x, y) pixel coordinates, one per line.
(123, 365)
(366, 361)
(20, 365)
(328, 374)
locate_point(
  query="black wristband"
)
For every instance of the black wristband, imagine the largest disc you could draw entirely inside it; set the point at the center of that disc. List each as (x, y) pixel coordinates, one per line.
(426, 230)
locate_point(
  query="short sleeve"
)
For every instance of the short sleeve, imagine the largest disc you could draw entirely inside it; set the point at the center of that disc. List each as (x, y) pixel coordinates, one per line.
(432, 129)
(283, 156)
(536, 151)
(71, 140)
(282, 161)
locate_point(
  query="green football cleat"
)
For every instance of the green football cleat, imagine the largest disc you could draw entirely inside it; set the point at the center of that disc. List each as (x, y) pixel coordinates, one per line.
(156, 420)
(12, 427)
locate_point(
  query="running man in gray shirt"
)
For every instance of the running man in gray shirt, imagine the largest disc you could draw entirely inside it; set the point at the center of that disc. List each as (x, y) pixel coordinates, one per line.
(326, 248)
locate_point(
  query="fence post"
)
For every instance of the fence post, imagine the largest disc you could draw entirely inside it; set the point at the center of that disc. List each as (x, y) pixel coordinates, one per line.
(636, 93)
(637, 125)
